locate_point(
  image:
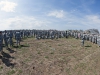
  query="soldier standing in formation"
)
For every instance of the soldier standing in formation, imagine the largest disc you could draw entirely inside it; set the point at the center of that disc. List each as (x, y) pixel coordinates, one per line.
(10, 38)
(44, 34)
(82, 41)
(18, 38)
(5, 37)
(66, 34)
(1, 42)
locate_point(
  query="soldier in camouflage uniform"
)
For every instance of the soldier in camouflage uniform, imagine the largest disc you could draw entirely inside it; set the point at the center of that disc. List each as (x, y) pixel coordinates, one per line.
(5, 37)
(18, 38)
(82, 41)
(21, 34)
(1, 41)
(66, 34)
(10, 38)
(96, 40)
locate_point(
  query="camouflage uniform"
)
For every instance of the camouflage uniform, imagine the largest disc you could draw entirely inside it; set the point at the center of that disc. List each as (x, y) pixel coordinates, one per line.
(10, 38)
(5, 37)
(1, 41)
(18, 38)
(66, 34)
(21, 34)
(82, 41)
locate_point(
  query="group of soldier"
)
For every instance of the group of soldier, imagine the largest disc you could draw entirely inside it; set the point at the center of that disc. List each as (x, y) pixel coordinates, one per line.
(7, 36)
(84, 37)
(50, 34)
(54, 34)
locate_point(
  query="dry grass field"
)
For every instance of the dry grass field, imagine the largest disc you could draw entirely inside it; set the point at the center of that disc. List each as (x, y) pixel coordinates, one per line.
(51, 57)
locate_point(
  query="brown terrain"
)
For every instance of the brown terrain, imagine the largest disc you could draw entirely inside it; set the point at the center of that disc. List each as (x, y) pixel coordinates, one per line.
(51, 57)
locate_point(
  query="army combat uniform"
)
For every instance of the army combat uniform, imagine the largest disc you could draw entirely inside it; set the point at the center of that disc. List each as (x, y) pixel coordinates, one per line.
(82, 41)
(18, 38)
(1, 42)
(10, 38)
(5, 37)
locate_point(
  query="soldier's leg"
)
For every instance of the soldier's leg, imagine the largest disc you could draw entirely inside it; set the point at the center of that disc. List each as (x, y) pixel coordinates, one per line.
(11, 43)
(82, 43)
(6, 44)
(18, 41)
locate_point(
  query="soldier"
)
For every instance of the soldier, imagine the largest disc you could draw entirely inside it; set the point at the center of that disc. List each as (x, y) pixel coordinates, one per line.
(93, 40)
(56, 35)
(1, 41)
(66, 34)
(76, 35)
(10, 38)
(21, 34)
(25, 33)
(96, 40)
(87, 37)
(52, 35)
(82, 41)
(18, 38)
(5, 37)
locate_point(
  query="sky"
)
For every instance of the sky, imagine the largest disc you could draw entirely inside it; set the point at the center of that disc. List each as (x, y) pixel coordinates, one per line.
(50, 14)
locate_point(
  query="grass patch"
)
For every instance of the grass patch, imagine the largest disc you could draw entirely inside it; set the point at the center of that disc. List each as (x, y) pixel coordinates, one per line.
(25, 38)
(88, 46)
(26, 60)
(60, 44)
(52, 53)
(20, 47)
(25, 45)
(11, 72)
(49, 46)
(39, 52)
(1, 67)
(46, 57)
(19, 72)
(68, 71)
(82, 65)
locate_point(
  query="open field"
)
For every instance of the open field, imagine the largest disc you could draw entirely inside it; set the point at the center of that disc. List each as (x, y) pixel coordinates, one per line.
(51, 57)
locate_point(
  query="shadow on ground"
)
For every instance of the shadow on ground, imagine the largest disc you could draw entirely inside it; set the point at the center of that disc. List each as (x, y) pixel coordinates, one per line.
(21, 46)
(11, 51)
(6, 59)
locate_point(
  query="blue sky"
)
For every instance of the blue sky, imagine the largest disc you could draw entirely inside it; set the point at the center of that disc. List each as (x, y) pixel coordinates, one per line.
(49, 14)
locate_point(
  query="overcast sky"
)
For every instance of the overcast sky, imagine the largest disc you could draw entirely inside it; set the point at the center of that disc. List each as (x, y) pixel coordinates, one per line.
(49, 14)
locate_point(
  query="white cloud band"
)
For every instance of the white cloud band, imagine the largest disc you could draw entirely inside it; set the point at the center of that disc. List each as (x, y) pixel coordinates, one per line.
(23, 22)
(57, 14)
(7, 6)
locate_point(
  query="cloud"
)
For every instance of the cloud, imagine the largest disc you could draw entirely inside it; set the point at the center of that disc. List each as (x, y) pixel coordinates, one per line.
(84, 22)
(71, 20)
(94, 19)
(7, 6)
(23, 22)
(57, 14)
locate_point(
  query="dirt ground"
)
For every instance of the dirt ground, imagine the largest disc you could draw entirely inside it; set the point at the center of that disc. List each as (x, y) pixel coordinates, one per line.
(51, 57)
